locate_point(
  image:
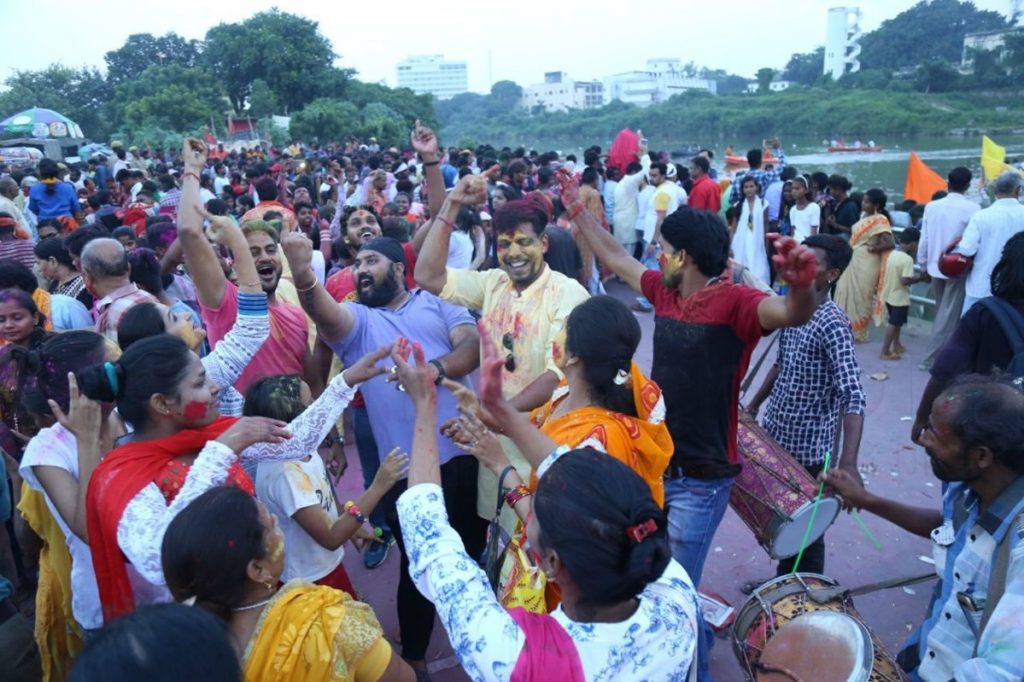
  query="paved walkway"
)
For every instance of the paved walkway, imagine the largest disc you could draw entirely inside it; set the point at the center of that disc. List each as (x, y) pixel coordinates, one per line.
(891, 464)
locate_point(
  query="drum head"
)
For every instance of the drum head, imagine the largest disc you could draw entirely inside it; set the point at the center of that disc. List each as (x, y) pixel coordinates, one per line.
(790, 534)
(824, 646)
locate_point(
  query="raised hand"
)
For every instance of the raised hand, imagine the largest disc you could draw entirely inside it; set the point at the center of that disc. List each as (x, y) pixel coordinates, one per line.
(417, 379)
(248, 431)
(491, 363)
(424, 142)
(220, 228)
(570, 188)
(471, 435)
(298, 249)
(393, 469)
(472, 189)
(794, 262)
(194, 153)
(366, 367)
(85, 416)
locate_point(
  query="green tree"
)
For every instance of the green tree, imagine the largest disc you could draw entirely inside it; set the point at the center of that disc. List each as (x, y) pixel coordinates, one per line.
(1013, 57)
(80, 94)
(286, 51)
(937, 75)
(805, 68)
(143, 50)
(505, 95)
(325, 120)
(764, 78)
(988, 72)
(262, 101)
(172, 97)
(927, 31)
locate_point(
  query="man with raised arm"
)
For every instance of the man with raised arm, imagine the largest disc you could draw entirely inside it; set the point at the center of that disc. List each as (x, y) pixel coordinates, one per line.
(386, 310)
(524, 303)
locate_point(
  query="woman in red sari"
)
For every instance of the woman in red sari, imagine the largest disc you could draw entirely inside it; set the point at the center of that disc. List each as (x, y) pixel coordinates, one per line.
(181, 446)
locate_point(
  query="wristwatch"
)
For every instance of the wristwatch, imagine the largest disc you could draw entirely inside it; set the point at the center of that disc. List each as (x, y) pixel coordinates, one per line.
(330, 441)
(441, 374)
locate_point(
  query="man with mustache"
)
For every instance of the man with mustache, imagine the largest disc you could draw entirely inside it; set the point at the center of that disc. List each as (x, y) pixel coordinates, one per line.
(974, 623)
(386, 310)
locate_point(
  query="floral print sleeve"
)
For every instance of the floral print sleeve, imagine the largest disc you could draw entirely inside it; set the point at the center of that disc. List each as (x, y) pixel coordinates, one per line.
(483, 635)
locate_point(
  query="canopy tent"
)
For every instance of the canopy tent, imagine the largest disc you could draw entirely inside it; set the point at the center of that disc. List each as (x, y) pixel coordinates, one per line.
(40, 123)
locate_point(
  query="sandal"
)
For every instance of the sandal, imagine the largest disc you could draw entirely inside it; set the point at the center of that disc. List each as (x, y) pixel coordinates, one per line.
(892, 355)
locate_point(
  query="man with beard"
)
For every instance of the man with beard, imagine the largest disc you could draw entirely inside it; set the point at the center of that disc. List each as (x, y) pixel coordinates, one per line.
(286, 351)
(386, 310)
(524, 303)
(975, 621)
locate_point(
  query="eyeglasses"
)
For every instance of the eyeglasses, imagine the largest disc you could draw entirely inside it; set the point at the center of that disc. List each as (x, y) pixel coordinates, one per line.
(508, 342)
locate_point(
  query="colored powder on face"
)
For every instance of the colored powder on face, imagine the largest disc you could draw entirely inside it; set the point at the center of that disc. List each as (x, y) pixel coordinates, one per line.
(194, 411)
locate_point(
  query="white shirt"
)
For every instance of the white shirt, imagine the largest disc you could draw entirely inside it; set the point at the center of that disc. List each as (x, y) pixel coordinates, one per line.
(804, 220)
(944, 220)
(773, 195)
(985, 236)
(626, 203)
(460, 250)
(219, 183)
(287, 487)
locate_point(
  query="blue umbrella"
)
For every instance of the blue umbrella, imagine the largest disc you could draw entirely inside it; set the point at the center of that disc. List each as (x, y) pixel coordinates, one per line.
(38, 122)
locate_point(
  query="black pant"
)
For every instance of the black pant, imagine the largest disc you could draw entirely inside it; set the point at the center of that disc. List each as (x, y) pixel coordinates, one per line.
(416, 613)
(813, 560)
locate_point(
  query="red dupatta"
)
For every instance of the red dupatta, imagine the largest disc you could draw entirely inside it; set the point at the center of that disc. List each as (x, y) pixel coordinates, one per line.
(115, 482)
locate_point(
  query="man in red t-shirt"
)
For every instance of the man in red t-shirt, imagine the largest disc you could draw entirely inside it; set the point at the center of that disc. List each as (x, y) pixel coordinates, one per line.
(705, 330)
(705, 193)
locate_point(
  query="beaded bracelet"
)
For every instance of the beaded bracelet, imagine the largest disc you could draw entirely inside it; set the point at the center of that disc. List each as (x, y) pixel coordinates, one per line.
(514, 496)
(352, 510)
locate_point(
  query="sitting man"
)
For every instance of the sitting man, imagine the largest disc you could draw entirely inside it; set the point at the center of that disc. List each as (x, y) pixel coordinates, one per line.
(974, 624)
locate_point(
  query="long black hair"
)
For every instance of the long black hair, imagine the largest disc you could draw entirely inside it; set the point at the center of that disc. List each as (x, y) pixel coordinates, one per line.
(207, 548)
(21, 298)
(1008, 274)
(43, 372)
(585, 504)
(154, 365)
(140, 322)
(604, 335)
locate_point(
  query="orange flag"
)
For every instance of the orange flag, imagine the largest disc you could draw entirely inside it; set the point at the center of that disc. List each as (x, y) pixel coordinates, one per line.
(922, 181)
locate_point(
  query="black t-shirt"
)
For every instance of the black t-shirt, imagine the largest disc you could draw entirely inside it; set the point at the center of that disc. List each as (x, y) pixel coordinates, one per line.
(563, 255)
(847, 213)
(977, 345)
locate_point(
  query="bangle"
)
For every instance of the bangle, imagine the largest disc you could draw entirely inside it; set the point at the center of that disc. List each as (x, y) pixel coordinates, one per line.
(574, 211)
(514, 496)
(427, 164)
(447, 223)
(310, 287)
(352, 510)
(190, 174)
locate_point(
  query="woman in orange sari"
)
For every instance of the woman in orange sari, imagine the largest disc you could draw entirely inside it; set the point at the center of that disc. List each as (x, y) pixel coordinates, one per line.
(604, 402)
(858, 291)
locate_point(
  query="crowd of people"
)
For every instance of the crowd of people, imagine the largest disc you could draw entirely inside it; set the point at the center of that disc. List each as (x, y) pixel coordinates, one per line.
(184, 330)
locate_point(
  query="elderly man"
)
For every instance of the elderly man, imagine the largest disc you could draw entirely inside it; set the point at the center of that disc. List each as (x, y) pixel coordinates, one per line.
(8, 193)
(105, 270)
(975, 621)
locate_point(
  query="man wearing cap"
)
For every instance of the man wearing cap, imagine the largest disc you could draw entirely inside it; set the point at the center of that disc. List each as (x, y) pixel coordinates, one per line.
(385, 311)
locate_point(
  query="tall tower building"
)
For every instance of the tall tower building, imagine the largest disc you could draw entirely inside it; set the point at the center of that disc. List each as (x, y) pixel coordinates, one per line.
(841, 46)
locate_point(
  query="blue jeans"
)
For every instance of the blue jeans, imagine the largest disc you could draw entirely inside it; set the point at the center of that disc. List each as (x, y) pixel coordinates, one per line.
(369, 459)
(695, 508)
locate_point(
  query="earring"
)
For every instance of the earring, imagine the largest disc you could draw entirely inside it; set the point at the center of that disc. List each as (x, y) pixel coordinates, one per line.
(269, 585)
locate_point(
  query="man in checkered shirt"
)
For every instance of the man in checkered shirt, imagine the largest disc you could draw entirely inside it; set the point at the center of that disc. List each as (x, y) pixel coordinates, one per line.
(815, 381)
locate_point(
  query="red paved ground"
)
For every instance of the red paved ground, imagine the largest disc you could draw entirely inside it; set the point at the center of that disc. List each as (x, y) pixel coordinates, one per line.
(891, 464)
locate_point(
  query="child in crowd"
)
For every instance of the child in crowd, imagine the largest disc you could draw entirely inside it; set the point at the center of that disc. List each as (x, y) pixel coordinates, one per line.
(300, 494)
(899, 276)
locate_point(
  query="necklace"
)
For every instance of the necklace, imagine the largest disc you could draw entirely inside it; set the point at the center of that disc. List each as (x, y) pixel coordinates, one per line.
(256, 605)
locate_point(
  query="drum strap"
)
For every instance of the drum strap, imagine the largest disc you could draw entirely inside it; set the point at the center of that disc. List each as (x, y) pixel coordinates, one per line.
(997, 580)
(745, 386)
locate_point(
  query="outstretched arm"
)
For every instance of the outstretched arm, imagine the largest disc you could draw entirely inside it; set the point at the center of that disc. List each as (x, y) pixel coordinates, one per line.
(606, 247)
(916, 520)
(798, 266)
(199, 255)
(431, 266)
(333, 321)
(425, 143)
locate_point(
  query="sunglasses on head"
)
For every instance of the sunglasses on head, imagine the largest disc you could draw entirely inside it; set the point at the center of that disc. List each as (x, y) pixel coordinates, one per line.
(508, 342)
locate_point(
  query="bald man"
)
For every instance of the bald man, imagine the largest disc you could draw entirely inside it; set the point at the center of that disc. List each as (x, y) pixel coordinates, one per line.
(105, 271)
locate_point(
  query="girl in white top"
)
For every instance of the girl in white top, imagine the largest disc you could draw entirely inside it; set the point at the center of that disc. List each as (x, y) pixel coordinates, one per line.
(804, 215)
(301, 495)
(748, 234)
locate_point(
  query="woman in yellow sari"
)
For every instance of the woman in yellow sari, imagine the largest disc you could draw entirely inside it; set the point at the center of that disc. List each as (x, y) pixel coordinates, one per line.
(858, 291)
(604, 402)
(225, 553)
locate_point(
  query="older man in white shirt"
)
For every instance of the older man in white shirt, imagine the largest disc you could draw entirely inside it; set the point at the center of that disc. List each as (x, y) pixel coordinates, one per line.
(987, 234)
(945, 220)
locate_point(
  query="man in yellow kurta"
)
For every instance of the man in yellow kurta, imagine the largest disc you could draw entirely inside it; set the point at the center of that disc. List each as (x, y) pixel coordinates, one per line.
(524, 305)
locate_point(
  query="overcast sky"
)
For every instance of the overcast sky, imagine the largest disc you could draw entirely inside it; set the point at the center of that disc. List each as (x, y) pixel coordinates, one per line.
(520, 40)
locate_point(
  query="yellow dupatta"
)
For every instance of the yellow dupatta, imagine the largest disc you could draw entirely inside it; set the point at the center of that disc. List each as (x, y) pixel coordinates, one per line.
(311, 632)
(859, 290)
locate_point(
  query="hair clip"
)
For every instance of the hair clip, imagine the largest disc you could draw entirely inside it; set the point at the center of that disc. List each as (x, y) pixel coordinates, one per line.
(621, 377)
(640, 531)
(111, 372)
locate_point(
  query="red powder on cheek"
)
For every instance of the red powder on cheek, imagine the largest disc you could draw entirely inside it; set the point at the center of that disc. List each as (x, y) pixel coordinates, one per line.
(194, 411)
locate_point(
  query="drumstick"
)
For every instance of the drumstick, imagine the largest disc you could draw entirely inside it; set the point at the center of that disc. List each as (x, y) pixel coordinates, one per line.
(867, 531)
(814, 512)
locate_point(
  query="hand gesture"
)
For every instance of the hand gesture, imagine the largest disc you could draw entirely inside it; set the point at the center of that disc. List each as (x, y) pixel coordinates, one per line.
(491, 364)
(194, 153)
(471, 435)
(85, 418)
(424, 142)
(394, 468)
(418, 378)
(848, 486)
(298, 249)
(221, 228)
(472, 189)
(366, 368)
(248, 431)
(570, 188)
(794, 262)
(363, 538)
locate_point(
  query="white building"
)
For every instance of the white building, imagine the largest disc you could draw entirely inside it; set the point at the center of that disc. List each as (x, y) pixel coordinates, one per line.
(433, 74)
(841, 46)
(774, 86)
(985, 41)
(559, 92)
(657, 83)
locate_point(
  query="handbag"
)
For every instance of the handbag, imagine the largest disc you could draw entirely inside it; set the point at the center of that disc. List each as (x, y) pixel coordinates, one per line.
(524, 583)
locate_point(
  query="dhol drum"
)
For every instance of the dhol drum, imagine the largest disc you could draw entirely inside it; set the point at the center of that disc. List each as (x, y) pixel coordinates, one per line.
(774, 494)
(782, 635)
